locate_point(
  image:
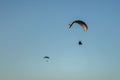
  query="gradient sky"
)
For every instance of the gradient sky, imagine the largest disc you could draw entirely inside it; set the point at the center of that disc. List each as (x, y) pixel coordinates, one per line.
(32, 29)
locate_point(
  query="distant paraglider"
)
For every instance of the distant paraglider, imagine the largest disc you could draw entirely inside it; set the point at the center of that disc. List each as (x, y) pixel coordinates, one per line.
(82, 24)
(46, 58)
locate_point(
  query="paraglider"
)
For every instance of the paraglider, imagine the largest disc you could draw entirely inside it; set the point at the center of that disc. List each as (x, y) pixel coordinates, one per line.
(46, 57)
(83, 24)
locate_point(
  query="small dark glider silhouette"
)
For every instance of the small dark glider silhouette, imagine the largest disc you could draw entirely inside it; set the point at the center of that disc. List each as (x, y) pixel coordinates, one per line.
(83, 24)
(46, 57)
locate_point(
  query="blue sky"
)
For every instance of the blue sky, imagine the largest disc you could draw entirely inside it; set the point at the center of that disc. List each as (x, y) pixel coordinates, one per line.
(32, 29)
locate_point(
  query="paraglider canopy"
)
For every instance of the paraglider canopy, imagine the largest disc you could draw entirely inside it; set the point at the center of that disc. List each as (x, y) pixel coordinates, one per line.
(82, 23)
(47, 57)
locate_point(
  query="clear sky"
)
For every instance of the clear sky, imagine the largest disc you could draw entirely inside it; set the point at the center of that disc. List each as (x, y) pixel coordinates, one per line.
(32, 29)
